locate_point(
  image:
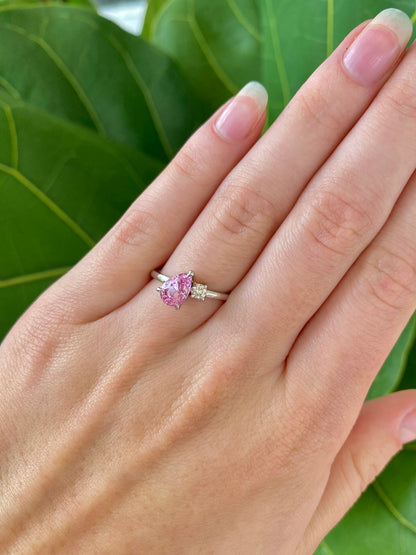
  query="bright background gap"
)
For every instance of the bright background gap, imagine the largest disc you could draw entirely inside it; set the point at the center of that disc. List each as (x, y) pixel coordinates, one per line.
(128, 15)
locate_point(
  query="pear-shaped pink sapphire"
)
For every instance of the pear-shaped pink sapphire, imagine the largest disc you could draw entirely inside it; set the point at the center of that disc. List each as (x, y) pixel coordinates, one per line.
(176, 289)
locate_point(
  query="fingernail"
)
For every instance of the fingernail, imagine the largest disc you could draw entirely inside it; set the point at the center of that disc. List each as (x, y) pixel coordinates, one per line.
(408, 427)
(243, 112)
(378, 46)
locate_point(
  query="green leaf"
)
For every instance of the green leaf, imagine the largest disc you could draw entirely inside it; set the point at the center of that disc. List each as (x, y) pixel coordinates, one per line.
(393, 369)
(86, 69)
(217, 44)
(84, 3)
(222, 44)
(61, 188)
(383, 521)
(152, 11)
(299, 35)
(409, 377)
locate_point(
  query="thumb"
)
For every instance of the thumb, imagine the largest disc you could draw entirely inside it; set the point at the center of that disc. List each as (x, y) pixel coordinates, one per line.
(381, 429)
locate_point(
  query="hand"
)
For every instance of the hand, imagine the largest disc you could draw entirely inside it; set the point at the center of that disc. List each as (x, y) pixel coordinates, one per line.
(127, 426)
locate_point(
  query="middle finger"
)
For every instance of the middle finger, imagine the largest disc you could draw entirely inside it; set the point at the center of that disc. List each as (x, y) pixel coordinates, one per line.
(257, 195)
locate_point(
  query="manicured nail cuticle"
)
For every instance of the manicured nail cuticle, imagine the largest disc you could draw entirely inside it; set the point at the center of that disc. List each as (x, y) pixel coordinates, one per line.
(378, 46)
(408, 427)
(241, 115)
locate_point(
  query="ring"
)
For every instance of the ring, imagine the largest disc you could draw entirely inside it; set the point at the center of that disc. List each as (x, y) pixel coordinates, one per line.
(176, 289)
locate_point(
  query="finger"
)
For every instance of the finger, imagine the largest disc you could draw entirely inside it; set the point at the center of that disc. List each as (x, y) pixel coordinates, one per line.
(338, 354)
(257, 195)
(340, 212)
(151, 228)
(382, 427)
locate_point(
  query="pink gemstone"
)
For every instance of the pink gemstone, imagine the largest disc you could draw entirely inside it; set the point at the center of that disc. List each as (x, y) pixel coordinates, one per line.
(176, 289)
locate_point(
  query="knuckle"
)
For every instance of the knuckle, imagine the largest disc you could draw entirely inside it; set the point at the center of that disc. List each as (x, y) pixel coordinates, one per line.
(401, 97)
(392, 278)
(39, 341)
(335, 223)
(241, 210)
(136, 224)
(316, 109)
(188, 163)
(357, 472)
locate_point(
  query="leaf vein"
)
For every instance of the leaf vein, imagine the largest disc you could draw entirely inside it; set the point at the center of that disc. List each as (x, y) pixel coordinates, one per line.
(205, 49)
(243, 21)
(136, 76)
(49, 203)
(158, 16)
(330, 27)
(9, 88)
(325, 546)
(36, 276)
(134, 72)
(390, 506)
(280, 64)
(14, 155)
(69, 76)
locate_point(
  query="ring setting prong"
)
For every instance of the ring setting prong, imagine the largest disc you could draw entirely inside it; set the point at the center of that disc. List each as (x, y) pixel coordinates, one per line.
(176, 289)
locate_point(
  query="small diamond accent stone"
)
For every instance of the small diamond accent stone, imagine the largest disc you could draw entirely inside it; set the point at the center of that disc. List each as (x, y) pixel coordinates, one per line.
(199, 291)
(176, 289)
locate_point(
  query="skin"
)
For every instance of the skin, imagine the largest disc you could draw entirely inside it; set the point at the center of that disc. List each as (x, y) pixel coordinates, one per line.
(238, 427)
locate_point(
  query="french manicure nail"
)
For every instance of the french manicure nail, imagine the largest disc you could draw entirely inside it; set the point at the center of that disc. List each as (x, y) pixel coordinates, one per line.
(243, 112)
(408, 427)
(378, 46)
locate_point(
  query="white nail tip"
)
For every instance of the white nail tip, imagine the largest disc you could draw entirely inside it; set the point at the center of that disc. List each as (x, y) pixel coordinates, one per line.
(256, 91)
(397, 21)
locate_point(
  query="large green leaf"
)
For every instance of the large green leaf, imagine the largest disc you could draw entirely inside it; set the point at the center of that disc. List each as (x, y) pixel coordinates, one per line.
(392, 371)
(222, 44)
(86, 69)
(383, 521)
(61, 188)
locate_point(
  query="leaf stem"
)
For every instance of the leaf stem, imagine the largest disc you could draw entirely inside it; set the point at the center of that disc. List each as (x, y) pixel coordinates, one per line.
(61, 214)
(239, 15)
(281, 69)
(14, 150)
(330, 27)
(206, 50)
(388, 503)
